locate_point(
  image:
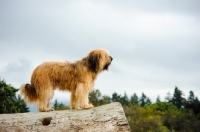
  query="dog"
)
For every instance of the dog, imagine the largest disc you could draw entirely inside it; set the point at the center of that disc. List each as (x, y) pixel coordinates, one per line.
(76, 77)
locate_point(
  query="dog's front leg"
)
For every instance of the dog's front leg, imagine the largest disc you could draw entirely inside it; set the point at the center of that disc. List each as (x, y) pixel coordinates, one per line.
(86, 104)
(81, 96)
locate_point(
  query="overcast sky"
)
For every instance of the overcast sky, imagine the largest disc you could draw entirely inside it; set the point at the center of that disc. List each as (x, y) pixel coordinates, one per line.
(155, 44)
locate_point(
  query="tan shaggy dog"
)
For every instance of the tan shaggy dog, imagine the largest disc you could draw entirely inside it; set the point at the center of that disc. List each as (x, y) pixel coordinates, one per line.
(77, 77)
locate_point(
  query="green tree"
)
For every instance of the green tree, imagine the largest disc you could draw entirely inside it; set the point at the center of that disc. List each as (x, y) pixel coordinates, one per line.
(134, 99)
(116, 97)
(59, 106)
(168, 98)
(191, 97)
(158, 99)
(105, 100)
(178, 99)
(144, 100)
(186, 122)
(94, 97)
(148, 101)
(9, 103)
(124, 100)
(56, 104)
(144, 119)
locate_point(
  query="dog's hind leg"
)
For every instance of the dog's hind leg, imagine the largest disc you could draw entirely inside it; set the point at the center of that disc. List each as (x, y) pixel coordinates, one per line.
(44, 100)
(73, 100)
(51, 93)
(42, 105)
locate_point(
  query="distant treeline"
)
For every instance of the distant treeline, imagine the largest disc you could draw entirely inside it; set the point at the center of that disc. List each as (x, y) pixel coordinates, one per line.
(176, 113)
(177, 99)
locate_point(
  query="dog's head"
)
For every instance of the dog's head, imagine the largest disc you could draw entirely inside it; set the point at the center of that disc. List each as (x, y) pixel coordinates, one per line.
(99, 60)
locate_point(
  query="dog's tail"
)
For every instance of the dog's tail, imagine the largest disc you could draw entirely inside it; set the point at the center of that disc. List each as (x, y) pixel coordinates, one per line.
(29, 93)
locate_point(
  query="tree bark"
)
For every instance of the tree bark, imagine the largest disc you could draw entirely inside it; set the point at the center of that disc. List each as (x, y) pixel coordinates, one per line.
(106, 118)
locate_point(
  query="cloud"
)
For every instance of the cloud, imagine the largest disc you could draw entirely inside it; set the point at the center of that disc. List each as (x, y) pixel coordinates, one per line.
(17, 72)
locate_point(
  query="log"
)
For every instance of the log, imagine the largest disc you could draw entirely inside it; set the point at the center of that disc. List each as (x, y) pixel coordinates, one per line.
(105, 118)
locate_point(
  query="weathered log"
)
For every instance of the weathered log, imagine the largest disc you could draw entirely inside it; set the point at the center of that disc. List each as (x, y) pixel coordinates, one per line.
(106, 118)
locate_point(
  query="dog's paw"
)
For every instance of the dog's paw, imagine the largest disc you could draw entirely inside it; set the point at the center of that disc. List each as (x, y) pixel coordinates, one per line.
(51, 109)
(88, 106)
(46, 110)
(77, 108)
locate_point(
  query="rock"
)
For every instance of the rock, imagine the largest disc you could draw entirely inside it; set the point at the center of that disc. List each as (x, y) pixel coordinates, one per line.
(106, 118)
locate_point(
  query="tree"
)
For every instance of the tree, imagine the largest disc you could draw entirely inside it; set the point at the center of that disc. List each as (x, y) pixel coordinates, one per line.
(105, 100)
(148, 101)
(191, 97)
(186, 122)
(94, 97)
(9, 103)
(116, 97)
(158, 99)
(168, 98)
(60, 106)
(144, 119)
(56, 104)
(144, 100)
(178, 99)
(194, 105)
(134, 99)
(124, 100)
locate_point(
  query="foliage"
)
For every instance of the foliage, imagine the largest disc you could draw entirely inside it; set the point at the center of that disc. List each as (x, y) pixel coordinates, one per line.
(144, 100)
(144, 119)
(158, 99)
(95, 97)
(116, 97)
(143, 116)
(178, 99)
(191, 97)
(194, 105)
(60, 106)
(9, 103)
(134, 100)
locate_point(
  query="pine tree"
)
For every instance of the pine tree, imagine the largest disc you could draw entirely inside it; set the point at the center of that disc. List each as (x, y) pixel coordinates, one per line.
(178, 99)
(56, 104)
(116, 97)
(142, 100)
(134, 99)
(168, 98)
(148, 102)
(191, 97)
(158, 99)
(9, 103)
(60, 106)
(124, 100)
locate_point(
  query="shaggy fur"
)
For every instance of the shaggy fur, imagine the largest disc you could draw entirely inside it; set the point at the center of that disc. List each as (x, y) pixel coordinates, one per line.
(77, 77)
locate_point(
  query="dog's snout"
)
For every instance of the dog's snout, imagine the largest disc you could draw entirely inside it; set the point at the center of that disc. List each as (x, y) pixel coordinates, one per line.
(111, 58)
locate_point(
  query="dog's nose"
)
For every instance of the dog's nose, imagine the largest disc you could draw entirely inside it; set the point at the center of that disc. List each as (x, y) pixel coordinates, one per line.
(111, 58)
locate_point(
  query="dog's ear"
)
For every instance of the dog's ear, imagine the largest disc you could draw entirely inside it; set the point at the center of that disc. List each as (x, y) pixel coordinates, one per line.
(93, 60)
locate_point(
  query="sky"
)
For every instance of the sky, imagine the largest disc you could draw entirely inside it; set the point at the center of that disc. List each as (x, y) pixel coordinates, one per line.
(155, 44)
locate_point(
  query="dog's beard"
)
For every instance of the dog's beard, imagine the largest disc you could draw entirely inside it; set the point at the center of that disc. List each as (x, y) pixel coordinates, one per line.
(106, 66)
